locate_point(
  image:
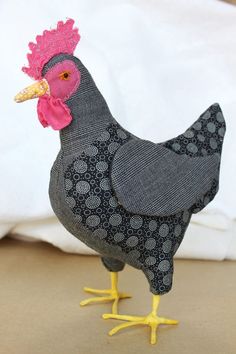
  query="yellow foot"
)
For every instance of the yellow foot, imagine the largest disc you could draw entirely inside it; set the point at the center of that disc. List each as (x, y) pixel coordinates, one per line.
(152, 320)
(106, 295)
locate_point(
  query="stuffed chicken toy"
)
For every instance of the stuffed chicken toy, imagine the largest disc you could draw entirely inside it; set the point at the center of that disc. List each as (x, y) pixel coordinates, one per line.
(129, 199)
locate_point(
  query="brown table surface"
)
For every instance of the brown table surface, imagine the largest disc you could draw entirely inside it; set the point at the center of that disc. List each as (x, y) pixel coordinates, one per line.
(41, 287)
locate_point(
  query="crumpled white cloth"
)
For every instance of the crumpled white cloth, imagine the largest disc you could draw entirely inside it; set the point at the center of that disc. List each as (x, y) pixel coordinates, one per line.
(159, 65)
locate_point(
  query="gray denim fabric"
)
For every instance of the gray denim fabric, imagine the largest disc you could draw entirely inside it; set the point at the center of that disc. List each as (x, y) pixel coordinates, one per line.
(150, 179)
(151, 190)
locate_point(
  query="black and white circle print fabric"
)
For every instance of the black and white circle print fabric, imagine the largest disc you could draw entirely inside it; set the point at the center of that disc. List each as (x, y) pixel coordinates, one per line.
(204, 137)
(150, 241)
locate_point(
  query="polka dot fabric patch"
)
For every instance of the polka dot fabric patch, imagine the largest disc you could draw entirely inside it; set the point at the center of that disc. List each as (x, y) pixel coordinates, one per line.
(204, 137)
(149, 241)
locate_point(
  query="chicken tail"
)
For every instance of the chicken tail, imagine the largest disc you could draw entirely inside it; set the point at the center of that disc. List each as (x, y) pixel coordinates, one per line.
(204, 138)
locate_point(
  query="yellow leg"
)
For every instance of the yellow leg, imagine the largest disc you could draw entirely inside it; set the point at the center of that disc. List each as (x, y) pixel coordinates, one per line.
(111, 294)
(151, 320)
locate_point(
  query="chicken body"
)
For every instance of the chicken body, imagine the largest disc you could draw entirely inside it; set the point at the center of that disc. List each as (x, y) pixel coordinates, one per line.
(96, 194)
(145, 242)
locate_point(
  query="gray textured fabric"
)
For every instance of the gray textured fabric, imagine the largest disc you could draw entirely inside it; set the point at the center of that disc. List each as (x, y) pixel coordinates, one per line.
(149, 179)
(112, 264)
(90, 112)
(91, 116)
(145, 242)
(71, 222)
(86, 204)
(163, 179)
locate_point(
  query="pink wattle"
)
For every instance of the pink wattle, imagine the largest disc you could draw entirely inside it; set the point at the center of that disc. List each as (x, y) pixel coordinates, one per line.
(52, 111)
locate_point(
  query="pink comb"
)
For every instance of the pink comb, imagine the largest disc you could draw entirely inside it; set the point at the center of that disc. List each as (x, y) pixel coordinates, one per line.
(63, 39)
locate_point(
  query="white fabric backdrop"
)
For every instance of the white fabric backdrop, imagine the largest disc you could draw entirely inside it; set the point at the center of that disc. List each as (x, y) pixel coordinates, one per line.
(159, 65)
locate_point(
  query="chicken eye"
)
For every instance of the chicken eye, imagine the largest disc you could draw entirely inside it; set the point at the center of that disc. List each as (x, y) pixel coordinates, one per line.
(65, 75)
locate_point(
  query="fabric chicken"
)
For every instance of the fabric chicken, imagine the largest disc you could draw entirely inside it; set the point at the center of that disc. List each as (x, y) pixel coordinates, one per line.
(129, 199)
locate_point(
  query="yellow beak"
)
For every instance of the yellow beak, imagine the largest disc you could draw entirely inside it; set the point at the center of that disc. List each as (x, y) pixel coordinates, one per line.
(38, 89)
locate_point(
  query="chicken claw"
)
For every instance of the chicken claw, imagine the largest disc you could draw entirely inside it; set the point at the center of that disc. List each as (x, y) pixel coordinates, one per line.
(151, 320)
(110, 294)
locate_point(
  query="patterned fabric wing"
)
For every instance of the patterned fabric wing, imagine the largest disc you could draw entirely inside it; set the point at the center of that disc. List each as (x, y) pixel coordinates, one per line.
(182, 173)
(150, 179)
